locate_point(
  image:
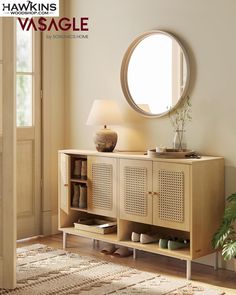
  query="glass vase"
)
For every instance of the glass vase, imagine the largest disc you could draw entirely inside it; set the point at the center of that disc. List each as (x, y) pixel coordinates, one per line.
(179, 140)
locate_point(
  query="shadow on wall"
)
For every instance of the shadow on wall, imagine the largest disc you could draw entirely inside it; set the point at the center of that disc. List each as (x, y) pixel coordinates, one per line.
(135, 132)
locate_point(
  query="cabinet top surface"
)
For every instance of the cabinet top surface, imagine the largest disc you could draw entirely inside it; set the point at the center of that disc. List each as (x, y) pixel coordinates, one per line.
(135, 155)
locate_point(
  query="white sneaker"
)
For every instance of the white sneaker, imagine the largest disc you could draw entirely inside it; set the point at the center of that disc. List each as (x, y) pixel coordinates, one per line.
(135, 237)
(146, 239)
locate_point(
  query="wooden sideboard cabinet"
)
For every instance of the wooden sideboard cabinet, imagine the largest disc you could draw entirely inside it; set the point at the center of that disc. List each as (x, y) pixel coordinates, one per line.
(181, 198)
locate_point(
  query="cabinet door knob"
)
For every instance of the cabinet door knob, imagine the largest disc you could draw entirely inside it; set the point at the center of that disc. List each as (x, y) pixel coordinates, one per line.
(66, 184)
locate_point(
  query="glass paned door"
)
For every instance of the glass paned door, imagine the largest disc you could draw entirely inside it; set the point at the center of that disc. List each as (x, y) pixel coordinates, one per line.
(28, 116)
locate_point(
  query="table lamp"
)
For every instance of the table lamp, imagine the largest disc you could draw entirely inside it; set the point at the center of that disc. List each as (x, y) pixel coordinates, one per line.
(105, 112)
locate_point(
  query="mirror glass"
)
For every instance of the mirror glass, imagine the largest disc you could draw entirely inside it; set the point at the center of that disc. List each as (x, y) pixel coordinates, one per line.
(155, 73)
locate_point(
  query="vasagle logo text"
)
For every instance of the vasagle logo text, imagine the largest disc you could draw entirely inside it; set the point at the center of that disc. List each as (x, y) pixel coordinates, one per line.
(24, 8)
(58, 24)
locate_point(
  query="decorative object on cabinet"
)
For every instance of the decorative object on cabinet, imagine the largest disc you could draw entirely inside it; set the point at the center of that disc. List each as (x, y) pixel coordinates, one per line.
(155, 73)
(170, 153)
(171, 197)
(225, 237)
(105, 112)
(160, 149)
(179, 140)
(178, 119)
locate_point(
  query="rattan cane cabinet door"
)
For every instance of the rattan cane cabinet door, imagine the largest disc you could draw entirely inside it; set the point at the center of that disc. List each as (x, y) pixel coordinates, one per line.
(136, 190)
(102, 189)
(171, 195)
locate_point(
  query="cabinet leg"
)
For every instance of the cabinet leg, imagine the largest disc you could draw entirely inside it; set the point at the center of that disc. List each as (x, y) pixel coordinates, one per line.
(188, 269)
(94, 243)
(134, 253)
(216, 265)
(64, 240)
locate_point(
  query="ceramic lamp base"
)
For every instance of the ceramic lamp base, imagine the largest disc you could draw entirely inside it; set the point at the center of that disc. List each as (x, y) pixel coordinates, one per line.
(105, 140)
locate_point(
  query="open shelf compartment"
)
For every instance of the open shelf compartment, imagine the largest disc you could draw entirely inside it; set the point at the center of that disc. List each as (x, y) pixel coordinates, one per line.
(79, 223)
(125, 229)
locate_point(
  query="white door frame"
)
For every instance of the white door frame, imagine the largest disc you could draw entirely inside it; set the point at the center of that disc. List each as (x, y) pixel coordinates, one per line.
(8, 210)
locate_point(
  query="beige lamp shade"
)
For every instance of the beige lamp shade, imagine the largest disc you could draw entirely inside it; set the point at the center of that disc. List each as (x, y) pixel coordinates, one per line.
(105, 112)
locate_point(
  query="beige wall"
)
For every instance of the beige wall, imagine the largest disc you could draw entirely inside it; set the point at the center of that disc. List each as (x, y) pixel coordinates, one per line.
(53, 123)
(207, 30)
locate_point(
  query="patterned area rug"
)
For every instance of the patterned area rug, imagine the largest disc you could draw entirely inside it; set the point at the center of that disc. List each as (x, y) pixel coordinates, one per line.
(42, 270)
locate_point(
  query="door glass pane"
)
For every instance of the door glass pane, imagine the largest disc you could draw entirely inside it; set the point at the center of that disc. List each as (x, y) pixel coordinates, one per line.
(24, 100)
(24, 74)
(24, 50)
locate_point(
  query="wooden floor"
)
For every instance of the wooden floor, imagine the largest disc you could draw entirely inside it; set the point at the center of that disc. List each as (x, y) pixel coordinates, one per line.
(221, 280)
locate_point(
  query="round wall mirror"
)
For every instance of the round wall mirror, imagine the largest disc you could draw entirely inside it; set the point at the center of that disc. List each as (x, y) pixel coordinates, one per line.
(155, 73)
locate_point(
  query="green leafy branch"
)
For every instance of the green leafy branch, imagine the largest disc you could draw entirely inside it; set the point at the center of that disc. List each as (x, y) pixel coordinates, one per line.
(225, 237)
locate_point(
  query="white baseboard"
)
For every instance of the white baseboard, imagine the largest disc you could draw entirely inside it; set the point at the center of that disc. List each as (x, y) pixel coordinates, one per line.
(29, 239)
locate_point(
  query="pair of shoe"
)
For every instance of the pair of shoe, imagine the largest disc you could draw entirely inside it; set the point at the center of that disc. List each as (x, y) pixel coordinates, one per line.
(144, 238)
(173, 244)
(110, 249)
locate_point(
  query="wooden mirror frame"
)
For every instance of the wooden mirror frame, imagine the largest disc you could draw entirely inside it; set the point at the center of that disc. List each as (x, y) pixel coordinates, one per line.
(124, 71)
